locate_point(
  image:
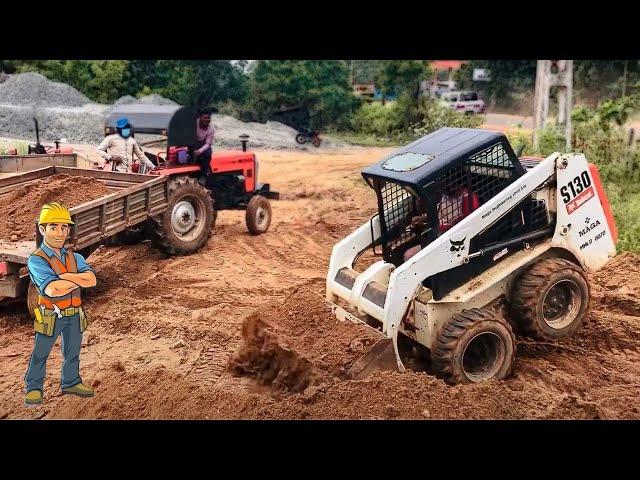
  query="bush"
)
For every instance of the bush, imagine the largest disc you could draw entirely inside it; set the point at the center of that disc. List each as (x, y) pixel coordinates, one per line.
(22, 147)
(241, 111)
(406, 119)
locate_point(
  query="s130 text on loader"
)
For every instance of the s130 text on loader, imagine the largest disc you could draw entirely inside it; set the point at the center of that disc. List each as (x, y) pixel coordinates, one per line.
(475, 243)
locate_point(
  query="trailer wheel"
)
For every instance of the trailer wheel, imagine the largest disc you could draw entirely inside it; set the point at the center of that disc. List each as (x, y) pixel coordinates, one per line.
(32, 299)
(258, 215)
(473, 346)
(133, 235)
(550, 300)
(186, 224)
(301, 138)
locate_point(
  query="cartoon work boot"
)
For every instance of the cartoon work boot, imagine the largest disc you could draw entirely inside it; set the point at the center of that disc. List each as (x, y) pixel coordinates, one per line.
(79, 389)
(34, 397)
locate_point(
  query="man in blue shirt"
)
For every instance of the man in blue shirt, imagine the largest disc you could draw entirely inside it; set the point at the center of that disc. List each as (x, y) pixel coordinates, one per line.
(59, 276)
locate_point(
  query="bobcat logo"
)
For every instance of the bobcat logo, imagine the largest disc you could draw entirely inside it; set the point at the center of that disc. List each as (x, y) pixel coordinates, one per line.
(457, 246)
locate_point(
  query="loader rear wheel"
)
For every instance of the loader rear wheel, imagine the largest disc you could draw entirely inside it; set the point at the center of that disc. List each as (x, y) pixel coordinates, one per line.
(186, 224)
(258, 215)
(32, 299)
(550, 300)
(473, 346)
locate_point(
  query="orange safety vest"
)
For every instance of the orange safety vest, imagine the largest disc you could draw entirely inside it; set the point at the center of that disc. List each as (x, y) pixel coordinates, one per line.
(69, 300)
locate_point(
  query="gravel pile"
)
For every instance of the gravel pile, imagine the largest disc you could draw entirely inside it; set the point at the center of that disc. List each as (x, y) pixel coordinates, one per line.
(153, 99)
(64, 112)
(35, 89)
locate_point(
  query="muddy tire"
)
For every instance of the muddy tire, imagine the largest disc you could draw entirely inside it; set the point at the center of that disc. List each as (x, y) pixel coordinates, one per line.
(32, 299)
(133, 235)
(186, 224)
(473, 346)
(258, 215)
(550, 300)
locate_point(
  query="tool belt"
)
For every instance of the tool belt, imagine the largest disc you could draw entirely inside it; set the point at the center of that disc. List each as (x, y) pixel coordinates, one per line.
(45, 321)
(65, 312)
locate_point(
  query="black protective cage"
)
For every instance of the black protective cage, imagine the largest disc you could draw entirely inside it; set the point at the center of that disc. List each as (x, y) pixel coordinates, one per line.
(455, 160)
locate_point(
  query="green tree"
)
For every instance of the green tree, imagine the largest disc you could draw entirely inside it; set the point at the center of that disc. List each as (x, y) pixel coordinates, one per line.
(196, 82)
(322, 86)
(398, 77)
(365, 71)
(7, 66)
(507, 76)
(109, 80)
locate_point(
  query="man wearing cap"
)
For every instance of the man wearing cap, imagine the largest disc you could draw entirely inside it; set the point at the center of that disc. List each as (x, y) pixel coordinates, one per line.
(121, 147)
(59, 275)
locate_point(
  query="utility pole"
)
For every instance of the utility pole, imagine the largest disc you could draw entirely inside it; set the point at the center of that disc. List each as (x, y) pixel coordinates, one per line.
(553, 73)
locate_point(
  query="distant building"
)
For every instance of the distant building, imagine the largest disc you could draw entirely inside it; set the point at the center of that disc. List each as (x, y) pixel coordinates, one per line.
(442, 79)
(365, 90)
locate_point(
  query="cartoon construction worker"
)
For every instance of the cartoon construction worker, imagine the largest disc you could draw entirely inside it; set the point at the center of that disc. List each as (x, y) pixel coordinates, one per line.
(59, 275)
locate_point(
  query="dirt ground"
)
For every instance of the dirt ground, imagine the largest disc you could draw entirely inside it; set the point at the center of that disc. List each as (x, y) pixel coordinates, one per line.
(22, 206)
(166, 339)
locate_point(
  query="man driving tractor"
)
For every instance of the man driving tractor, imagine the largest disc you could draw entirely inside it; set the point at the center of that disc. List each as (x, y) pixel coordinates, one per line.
(120, 148)
(205, 136)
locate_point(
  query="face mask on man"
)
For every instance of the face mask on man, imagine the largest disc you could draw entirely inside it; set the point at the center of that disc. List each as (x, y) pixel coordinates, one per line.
(125, 132)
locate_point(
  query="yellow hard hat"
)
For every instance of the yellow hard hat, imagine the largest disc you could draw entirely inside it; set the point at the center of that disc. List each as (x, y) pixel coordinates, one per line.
(54, 213)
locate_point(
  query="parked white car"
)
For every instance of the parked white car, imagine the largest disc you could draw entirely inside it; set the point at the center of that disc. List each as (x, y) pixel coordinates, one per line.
(466, 102)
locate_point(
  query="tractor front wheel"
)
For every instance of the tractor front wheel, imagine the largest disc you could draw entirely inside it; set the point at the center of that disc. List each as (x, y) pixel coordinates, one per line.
(258, 215)
(301, 138)
(550, 300)
(473, 346)
(184, 227)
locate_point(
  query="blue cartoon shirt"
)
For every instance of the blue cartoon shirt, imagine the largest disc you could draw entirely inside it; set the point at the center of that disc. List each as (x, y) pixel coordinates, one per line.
(42, 274)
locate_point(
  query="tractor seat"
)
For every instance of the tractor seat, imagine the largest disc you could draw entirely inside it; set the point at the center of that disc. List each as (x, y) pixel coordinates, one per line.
(456, 207)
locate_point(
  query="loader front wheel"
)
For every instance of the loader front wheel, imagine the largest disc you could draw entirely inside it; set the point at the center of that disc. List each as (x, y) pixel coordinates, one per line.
(184, 227)
(550, 300)
(475, 345)
(258, 216)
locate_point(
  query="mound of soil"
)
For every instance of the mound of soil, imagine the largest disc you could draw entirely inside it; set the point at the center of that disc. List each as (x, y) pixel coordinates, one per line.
(299, 343)
(22, 206)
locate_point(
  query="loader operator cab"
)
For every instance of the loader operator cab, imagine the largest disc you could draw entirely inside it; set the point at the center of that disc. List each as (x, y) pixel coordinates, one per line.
(427, 187)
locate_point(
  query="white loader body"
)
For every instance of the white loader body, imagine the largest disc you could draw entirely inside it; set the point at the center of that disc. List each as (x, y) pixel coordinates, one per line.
(583, 233)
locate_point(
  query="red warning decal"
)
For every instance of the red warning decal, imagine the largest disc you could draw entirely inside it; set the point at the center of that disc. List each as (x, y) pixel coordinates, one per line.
(580, 200)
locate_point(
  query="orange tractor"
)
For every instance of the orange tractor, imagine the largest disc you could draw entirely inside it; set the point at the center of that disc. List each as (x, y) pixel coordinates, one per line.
(191, 213)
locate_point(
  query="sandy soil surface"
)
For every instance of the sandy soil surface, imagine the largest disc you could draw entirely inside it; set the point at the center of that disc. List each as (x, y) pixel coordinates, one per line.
(239, 330)
(22, 206)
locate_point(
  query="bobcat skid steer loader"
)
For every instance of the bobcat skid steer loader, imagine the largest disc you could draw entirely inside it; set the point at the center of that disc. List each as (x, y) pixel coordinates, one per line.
(475, 244)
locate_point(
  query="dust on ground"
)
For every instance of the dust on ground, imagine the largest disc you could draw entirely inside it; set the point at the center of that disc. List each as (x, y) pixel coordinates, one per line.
(167, 336)
(22, 206)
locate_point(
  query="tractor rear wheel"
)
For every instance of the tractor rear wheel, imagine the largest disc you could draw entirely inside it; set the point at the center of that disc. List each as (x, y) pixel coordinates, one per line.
(550, 300)
(258, 215)
(473, 346)
(186, 224)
